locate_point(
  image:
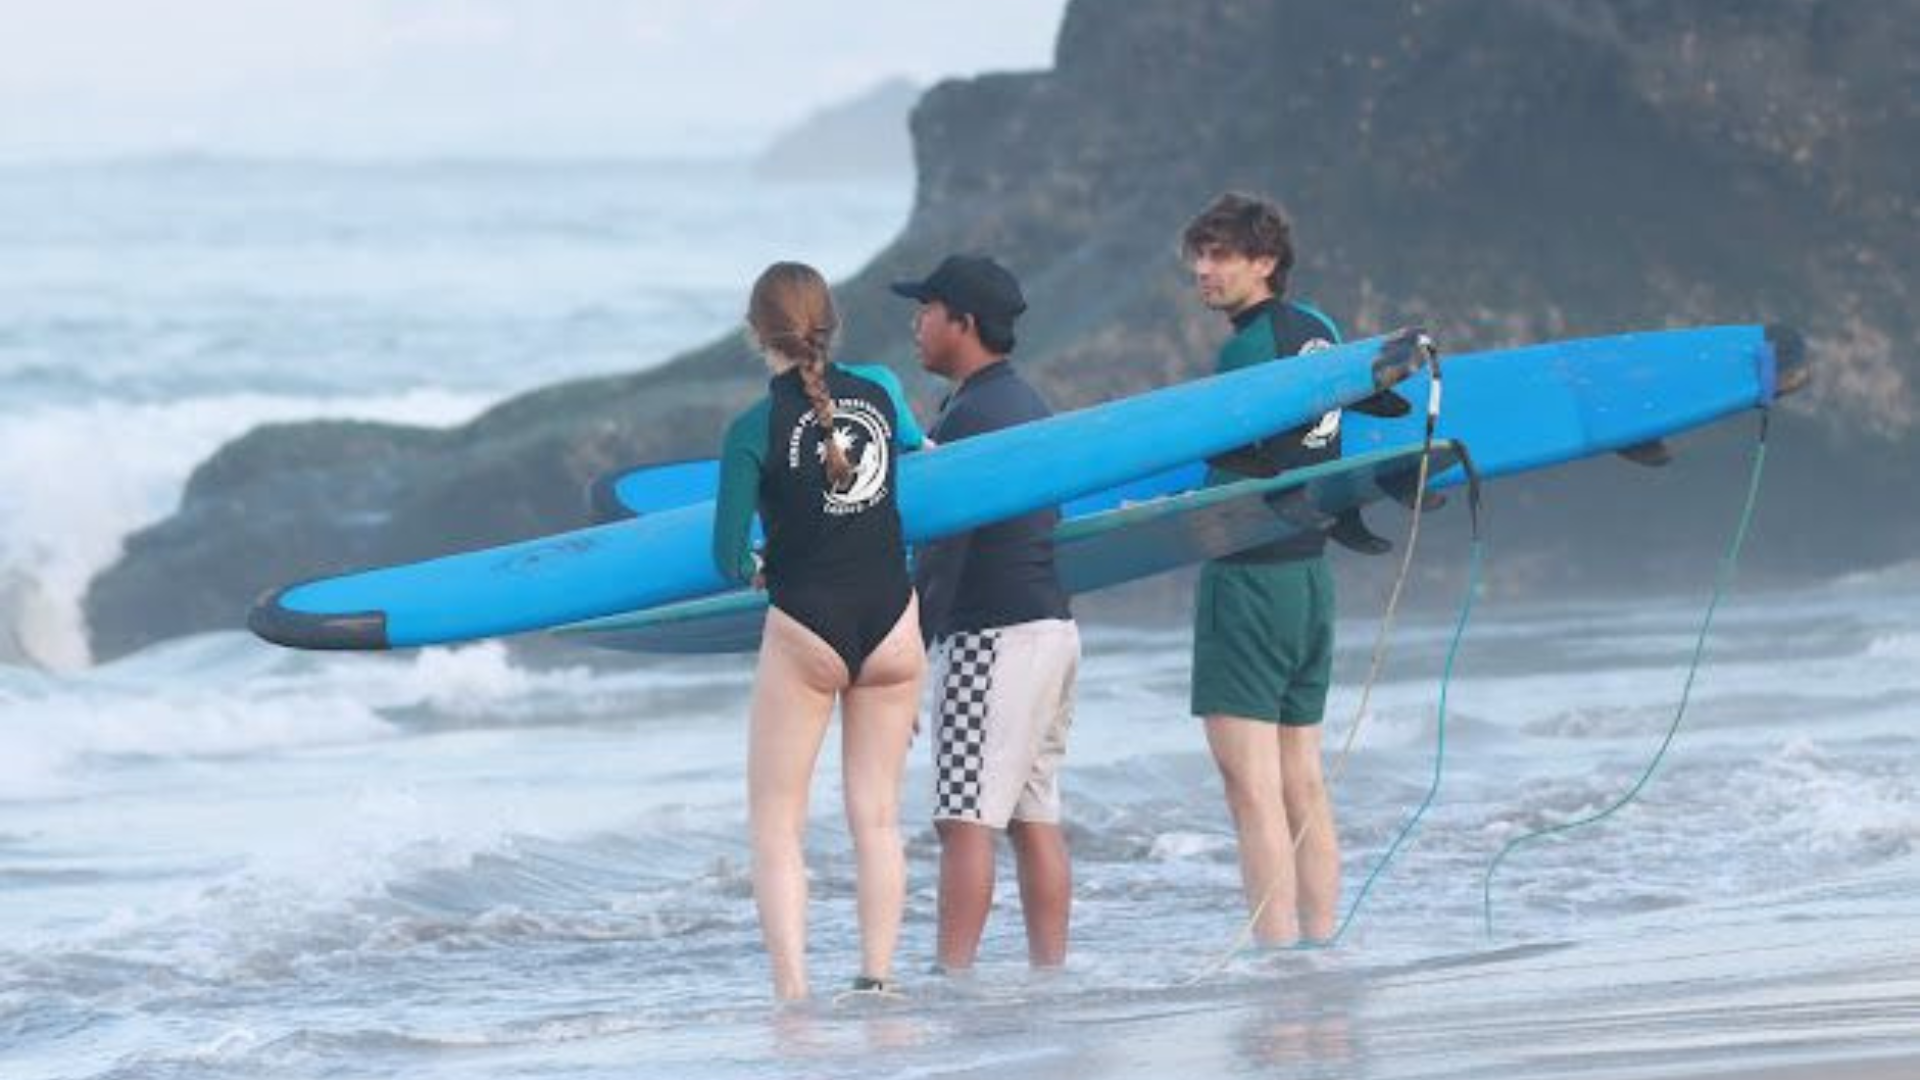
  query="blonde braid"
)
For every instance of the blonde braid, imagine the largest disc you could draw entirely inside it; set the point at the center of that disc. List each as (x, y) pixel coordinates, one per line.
(813, 379)
(791, 312)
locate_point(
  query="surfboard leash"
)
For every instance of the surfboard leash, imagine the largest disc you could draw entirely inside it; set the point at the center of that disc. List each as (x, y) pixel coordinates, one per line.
(1723, 581)
(1399, 582)
(1475, 560)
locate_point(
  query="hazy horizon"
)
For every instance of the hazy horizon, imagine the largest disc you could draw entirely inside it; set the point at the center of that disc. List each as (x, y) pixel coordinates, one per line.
(411, 80)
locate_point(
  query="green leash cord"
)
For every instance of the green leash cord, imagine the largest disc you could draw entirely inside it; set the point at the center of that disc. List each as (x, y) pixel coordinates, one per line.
(1724, 579)
(1440, 744)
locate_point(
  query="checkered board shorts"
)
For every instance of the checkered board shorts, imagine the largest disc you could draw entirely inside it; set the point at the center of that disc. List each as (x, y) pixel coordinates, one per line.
(1004, 704)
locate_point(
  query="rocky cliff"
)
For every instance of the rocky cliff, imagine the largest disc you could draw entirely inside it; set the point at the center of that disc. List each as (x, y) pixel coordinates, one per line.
(1499, 170)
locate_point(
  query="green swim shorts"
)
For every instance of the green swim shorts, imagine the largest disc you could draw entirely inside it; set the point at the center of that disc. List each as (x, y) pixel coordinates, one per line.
(1263, 641)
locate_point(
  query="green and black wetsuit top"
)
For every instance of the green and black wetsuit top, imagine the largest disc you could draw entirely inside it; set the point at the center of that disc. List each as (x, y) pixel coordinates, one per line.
(834, 558)
(1268, 331)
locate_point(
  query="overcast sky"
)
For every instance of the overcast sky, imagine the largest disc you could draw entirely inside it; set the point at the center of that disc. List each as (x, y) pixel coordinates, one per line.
(410, 78)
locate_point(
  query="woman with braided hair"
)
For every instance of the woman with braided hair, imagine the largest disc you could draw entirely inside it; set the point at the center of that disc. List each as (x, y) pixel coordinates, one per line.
(816, 458)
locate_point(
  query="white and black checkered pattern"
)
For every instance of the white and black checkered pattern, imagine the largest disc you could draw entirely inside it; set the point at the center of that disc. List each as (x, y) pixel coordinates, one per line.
(960, 758)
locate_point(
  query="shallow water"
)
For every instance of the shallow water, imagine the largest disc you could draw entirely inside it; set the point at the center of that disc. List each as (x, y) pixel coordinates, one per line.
(225, 860)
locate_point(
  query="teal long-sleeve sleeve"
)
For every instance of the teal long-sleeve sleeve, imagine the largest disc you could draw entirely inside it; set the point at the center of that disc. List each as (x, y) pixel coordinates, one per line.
(742, 456)
(906, 429)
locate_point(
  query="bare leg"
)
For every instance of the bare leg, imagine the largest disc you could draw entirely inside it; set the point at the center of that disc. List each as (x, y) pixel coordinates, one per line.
(1247, 753)
(1310, 811)
(1046, 889)
(877, 721)
(966, 890)
(792, 706)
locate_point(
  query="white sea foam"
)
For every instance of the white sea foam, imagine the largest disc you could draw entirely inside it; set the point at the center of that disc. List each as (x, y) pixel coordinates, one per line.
(482, 677)
(1851, 810)
(1901, 646)
(1176, 846)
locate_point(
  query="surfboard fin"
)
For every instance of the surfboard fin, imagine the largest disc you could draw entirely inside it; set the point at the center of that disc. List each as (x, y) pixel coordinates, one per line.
(1386, 404)
(603, 499)
(1295, 505)
(1350, 531)
(1654, 453)
(1401, 488)
(1249, 461)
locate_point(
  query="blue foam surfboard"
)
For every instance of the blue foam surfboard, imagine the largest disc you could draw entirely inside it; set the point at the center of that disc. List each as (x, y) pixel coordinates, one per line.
(1093, 550)
(663, 557)
(1515, 409)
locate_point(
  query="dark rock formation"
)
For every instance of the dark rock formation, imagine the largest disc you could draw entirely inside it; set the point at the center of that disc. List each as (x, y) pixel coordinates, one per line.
(1501, 170)
(862, 138)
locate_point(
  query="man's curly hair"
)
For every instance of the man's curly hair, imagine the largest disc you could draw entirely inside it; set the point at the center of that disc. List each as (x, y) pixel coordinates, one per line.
(1246, 225)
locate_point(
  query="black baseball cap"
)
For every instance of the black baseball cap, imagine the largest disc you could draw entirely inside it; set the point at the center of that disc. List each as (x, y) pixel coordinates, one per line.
(970, 285)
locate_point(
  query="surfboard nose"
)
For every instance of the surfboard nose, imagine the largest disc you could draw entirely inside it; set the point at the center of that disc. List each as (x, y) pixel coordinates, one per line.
(271, 620)
(1791, 370)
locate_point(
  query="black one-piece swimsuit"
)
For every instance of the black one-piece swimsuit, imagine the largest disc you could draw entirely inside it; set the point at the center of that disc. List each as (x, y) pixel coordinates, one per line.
(835, 559)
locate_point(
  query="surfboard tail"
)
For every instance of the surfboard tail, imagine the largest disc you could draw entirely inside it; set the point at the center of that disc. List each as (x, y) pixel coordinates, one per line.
(1788, 349)
(1401, 354)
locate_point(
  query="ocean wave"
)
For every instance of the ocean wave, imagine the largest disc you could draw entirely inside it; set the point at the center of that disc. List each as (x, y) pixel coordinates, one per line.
(1602, 721)
(68, 506)
(45, 741)
(1746, 817)
(406, 898)
(227, 695)
(1901, 576)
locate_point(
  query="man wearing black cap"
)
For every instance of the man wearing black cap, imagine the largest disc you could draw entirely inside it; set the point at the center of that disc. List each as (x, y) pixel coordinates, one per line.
(1005, 643)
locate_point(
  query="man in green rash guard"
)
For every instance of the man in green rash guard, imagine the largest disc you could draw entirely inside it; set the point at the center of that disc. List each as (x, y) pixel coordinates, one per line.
(1263, 618)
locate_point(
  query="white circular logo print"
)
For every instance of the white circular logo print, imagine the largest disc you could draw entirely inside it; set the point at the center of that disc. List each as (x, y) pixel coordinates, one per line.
(1329, 425)
(862, 433)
